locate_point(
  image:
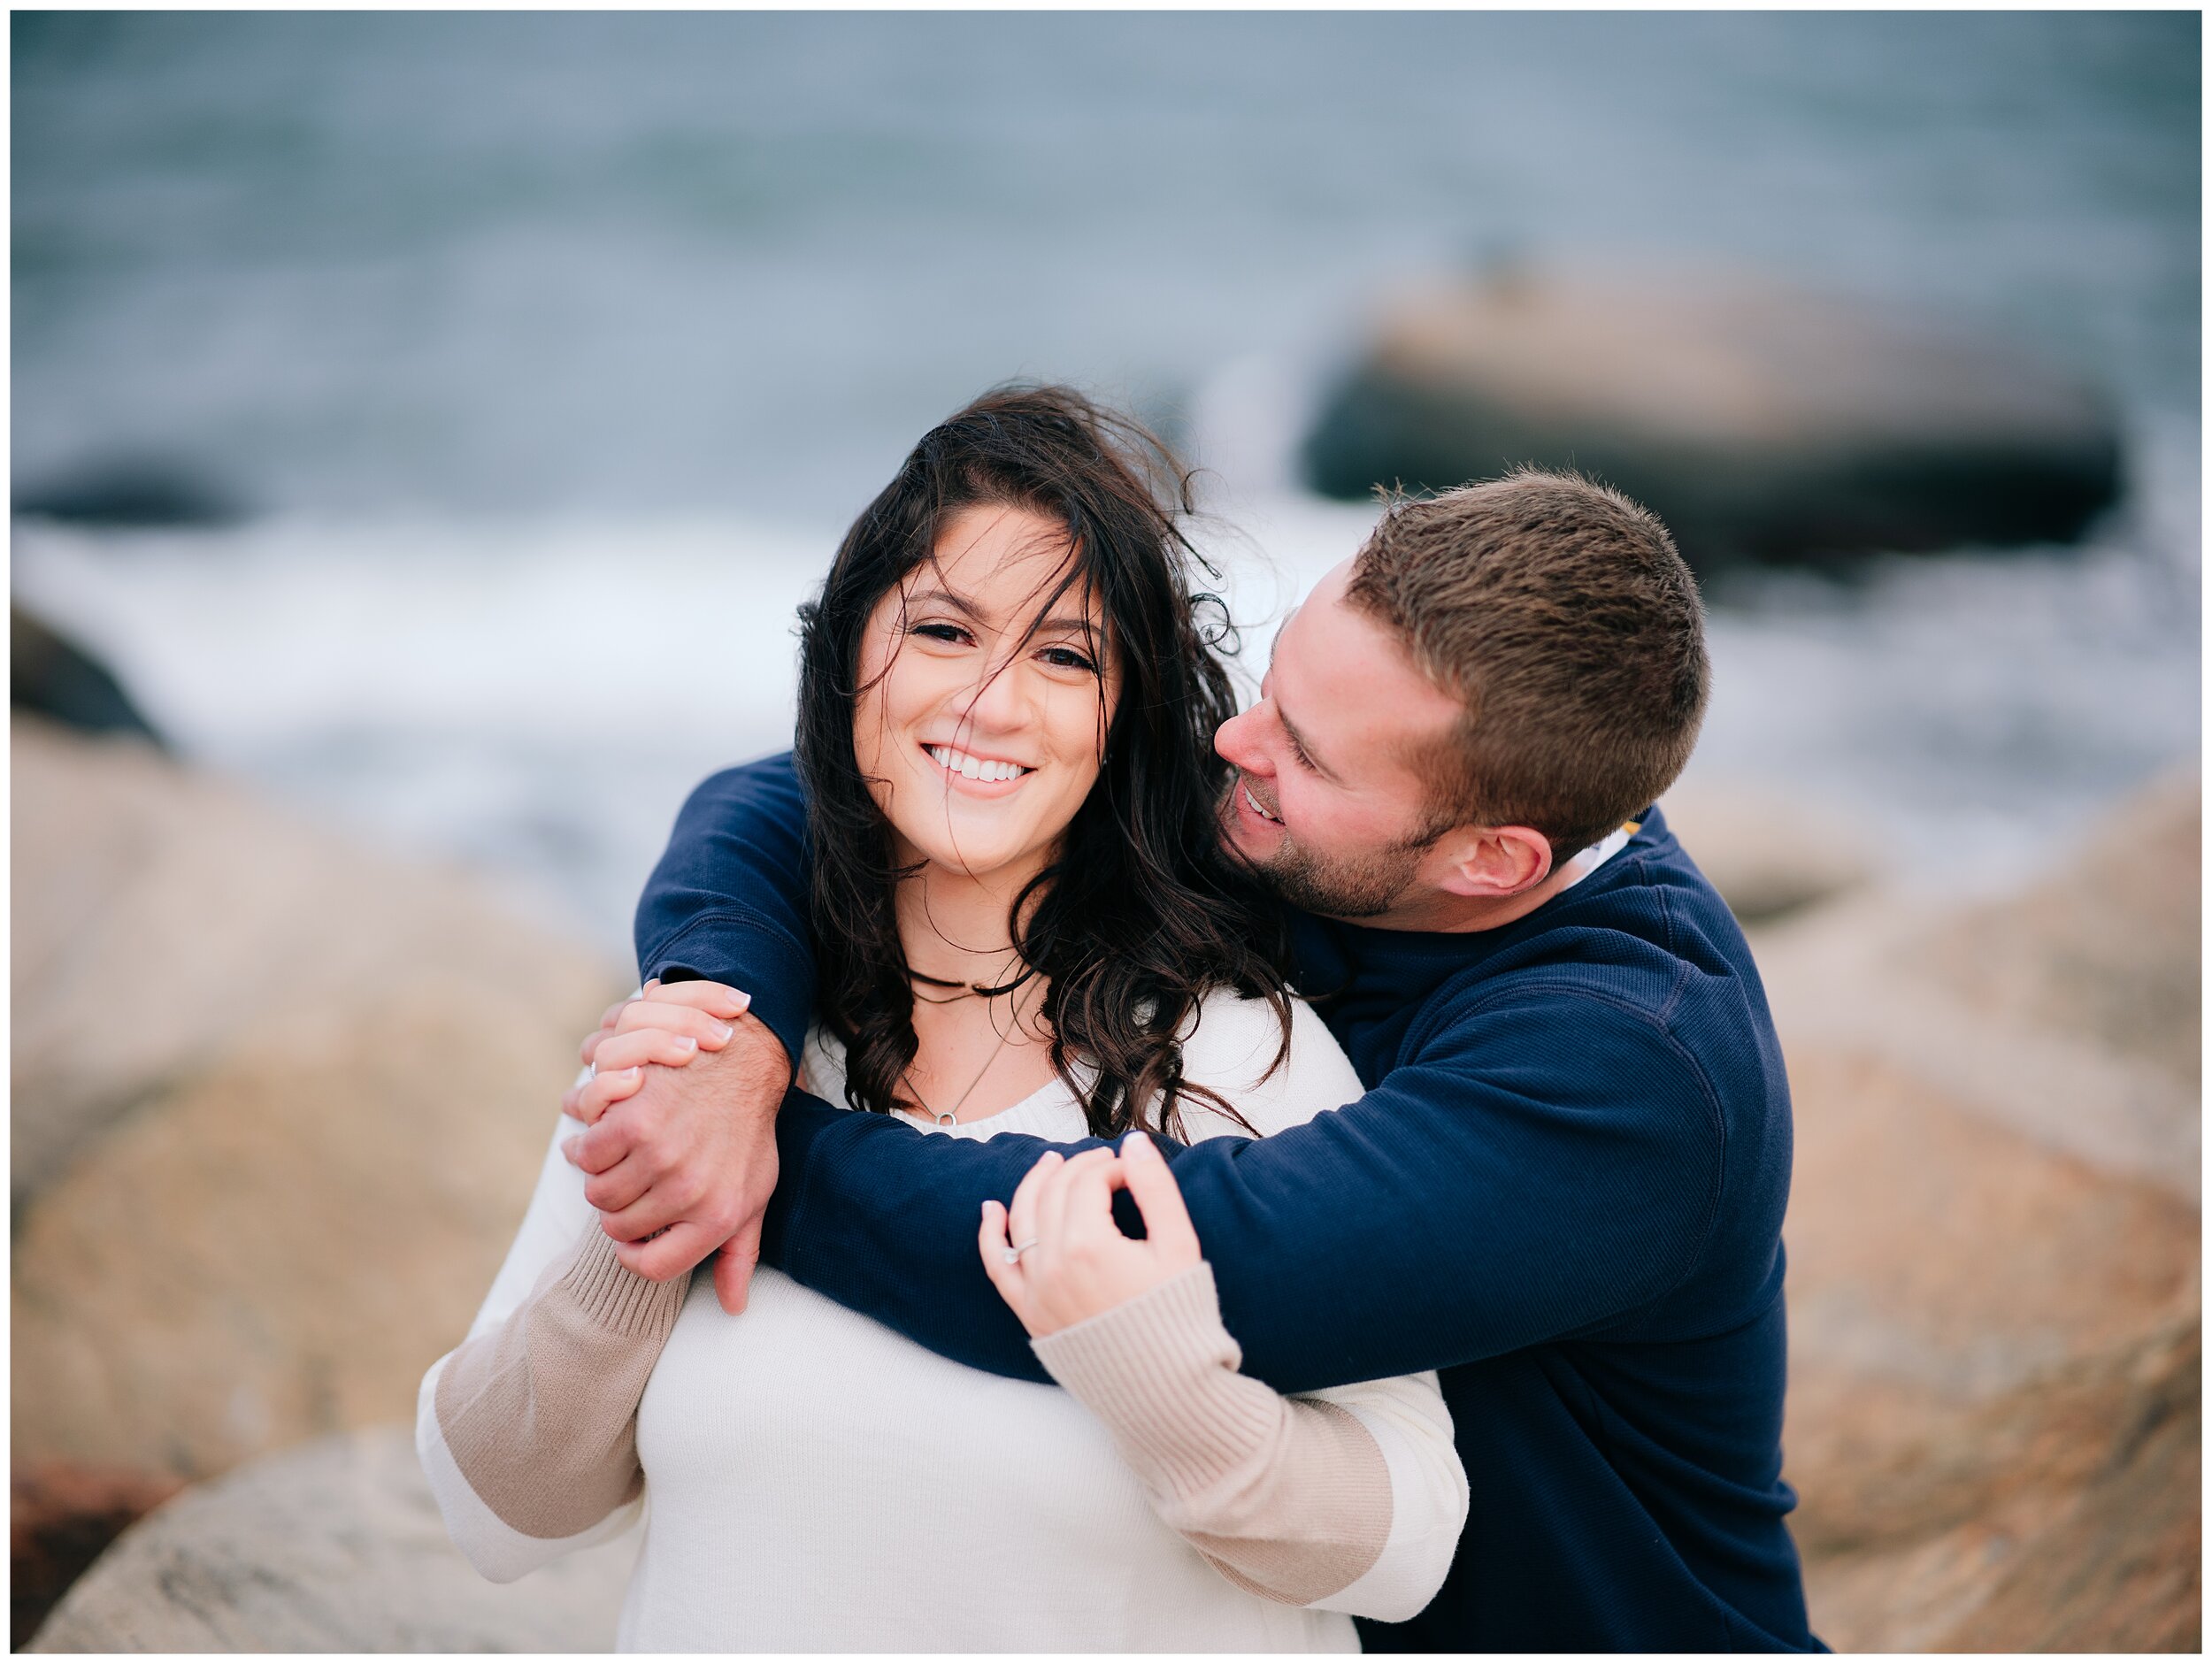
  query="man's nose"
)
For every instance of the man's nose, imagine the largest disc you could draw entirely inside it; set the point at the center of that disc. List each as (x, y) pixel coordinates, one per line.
(1236, 739)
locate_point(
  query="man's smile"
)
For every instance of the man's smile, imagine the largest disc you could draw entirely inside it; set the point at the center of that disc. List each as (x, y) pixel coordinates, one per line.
(1257, 807)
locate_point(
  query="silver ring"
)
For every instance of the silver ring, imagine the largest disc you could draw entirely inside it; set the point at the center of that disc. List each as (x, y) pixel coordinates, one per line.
(1013, 1255)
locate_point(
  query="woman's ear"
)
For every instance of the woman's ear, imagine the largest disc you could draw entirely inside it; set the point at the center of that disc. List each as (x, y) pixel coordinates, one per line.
(1493, 862)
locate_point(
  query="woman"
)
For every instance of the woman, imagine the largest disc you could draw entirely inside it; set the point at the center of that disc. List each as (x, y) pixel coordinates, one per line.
(1005, 712)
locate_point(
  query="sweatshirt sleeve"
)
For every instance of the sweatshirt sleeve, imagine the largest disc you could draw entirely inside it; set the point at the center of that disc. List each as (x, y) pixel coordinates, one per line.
(528, 1430)
(727, 901)
(1350, 1501)
(1548, 1167)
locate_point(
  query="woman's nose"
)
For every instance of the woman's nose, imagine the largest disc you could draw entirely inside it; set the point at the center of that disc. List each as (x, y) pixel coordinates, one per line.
(999, 701)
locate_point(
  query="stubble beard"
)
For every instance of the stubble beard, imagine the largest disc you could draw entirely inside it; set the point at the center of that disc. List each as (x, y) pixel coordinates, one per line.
(1350, 887)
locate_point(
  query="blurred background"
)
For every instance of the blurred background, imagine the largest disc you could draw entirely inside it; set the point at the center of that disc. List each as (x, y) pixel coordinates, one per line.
(425, 426)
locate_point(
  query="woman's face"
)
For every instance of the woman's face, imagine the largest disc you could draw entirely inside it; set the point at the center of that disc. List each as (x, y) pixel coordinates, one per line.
(981, 737)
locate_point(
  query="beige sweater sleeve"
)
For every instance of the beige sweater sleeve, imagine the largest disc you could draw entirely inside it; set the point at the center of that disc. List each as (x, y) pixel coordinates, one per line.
(1287, 1497)
(539, 1413)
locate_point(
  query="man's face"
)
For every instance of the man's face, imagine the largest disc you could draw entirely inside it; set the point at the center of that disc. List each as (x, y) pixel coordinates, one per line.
(1327, 804)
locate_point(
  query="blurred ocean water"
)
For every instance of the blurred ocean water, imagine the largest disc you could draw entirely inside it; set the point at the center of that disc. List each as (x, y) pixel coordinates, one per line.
(557, 348)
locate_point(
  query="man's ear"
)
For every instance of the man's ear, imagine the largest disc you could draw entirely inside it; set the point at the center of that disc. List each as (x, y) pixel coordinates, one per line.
(1493, 862)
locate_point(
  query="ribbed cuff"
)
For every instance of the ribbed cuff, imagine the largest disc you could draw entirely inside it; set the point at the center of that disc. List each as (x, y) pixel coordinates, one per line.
(1161, 1372)
(616, 1297)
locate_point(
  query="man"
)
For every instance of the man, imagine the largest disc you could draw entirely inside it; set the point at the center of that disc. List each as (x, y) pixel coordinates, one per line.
(1564, 1187)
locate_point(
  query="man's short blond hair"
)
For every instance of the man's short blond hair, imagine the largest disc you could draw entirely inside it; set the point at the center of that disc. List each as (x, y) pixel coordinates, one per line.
(1561, 616)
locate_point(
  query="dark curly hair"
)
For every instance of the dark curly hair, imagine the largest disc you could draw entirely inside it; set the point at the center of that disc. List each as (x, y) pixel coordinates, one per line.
(1140, 914)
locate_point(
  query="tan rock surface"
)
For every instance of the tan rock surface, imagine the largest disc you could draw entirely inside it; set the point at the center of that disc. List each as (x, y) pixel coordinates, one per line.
(2070, 1013)
(278, 1106)
(333, 1548)
(1768, 853)
(1995, 1248)
(2106, 947)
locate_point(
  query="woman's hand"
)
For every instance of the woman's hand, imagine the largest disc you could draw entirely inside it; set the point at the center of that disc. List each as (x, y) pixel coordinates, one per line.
(667, 1023)
(1073, 1262)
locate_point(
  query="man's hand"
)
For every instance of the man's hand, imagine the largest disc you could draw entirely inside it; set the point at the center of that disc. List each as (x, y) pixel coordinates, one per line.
(682, 1159)
(1074, 1262)
(668, 1024)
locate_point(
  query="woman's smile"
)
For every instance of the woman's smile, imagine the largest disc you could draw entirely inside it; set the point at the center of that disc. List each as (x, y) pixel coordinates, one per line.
(964, 768)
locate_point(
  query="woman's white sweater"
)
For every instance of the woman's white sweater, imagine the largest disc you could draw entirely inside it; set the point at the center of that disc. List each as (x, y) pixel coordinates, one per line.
(816, 1481)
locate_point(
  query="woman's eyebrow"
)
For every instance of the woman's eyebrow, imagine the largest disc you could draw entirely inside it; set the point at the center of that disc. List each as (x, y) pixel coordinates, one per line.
(963, 604)
(959, 604)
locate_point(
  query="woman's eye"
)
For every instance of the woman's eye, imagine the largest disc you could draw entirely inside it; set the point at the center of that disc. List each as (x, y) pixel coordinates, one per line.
(951, 632)
(1067, 659)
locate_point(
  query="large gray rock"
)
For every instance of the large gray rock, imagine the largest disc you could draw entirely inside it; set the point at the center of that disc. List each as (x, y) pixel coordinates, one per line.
(1760, 423)
(53, 677)
(333, 1548)
(128, 490)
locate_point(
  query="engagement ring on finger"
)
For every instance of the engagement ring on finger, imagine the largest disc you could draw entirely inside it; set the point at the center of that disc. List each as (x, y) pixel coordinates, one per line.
(1013, 1254)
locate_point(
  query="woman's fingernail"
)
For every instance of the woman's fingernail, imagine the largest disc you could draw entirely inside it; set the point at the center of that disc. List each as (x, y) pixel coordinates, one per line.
(723, 1030)
(744, 1001)
(630, 1073)
(685, 1043)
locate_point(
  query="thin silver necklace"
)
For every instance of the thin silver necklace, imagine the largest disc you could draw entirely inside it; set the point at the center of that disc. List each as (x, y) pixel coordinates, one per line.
(951, 1117)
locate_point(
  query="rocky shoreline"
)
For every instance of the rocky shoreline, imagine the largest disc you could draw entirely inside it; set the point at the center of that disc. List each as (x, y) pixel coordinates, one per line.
(277, 1103)
(1993, 1239)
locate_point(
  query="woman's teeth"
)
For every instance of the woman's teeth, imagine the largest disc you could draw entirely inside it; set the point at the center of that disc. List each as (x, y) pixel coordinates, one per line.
(1257, 809)
(975, 768)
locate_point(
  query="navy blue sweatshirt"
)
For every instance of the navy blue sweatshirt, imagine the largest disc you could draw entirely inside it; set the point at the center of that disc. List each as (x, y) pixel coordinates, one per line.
(1563, 1190)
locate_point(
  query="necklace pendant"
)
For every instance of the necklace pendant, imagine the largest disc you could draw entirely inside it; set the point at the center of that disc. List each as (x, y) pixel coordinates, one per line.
(947, 1118)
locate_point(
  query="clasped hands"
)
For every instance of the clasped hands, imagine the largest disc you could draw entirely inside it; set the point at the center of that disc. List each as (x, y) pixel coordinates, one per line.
(680, 1159)
(679, 1154)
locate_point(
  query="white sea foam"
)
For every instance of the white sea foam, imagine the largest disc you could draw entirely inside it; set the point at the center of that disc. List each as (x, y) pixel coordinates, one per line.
(535, 699)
